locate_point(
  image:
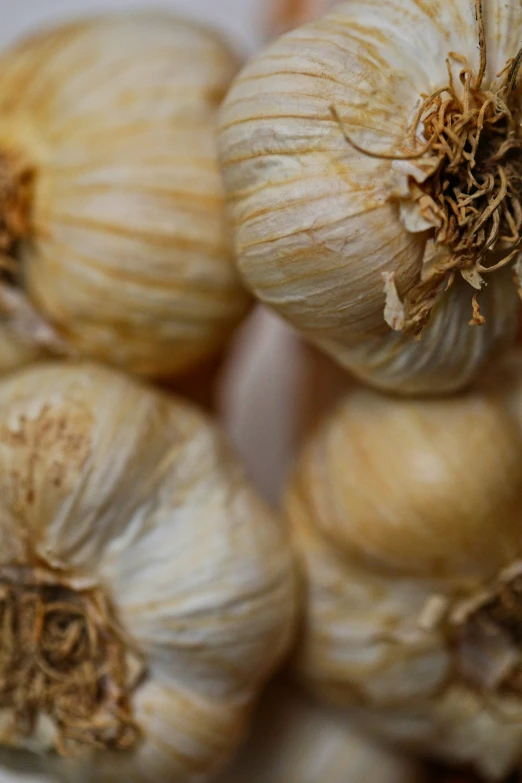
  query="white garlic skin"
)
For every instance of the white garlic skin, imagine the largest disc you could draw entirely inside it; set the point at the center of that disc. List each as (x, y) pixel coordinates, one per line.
(315, 226)
(295, 740)
(402, 512)
(107, 481)
(127, 256)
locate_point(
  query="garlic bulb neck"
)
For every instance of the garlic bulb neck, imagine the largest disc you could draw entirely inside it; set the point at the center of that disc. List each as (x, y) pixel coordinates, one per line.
(462, 185)
(63, 660)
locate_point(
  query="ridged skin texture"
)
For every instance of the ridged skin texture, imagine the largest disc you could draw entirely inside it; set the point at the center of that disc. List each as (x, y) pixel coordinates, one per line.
(404, 513)
(128, 257)
(103, 479)
(315, 222)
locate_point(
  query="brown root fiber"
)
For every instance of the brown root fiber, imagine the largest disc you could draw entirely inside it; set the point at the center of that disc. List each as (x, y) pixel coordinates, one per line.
(476, 187)
(63, 657)
(16, 191)
(473, 157)
(488, 641)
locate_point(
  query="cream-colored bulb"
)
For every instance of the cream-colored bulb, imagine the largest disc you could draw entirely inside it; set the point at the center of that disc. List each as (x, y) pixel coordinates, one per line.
(372, 163)
(406, 517)
(146, 592)
(114, 243)
(295, 740)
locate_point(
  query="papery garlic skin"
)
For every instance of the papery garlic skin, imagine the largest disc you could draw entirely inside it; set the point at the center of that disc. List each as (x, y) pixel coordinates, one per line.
(134, 495)
(406, 517)
(446, 356)
(120, 240)
(295, 740)
(320, 226)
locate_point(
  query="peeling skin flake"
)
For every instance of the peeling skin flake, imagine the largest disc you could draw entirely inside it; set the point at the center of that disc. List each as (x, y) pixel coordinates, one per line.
(414, 219)
(472, 277)
(435, 259)
(433, 612)
(393, 310)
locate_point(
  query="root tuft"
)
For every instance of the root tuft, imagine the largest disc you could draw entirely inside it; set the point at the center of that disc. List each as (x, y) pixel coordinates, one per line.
(63, 656)
(471, 191)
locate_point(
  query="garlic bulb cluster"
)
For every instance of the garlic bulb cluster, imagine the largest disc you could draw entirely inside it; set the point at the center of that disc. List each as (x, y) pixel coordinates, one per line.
(113, 239)
(294, 740)
(146, 592)
(372, 162)
(406, 518)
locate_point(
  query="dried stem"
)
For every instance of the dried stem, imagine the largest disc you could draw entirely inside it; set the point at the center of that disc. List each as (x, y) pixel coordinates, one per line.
(63, 656)
(482, 44)
(372, 153)
(514, 70)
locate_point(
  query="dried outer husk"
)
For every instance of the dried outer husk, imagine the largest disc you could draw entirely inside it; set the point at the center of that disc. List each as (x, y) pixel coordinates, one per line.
(146, 592)
(406, 518)
(344, 222)
(295, 740)
(114, 242)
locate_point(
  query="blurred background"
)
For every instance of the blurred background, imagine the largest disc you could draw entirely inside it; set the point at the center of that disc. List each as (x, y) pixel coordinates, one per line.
(242, 20)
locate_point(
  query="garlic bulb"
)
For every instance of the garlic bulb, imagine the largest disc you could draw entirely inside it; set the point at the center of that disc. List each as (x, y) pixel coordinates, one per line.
(146, 592)
(372, 162)
(113, 238)
(294, 740)
(406, 517)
